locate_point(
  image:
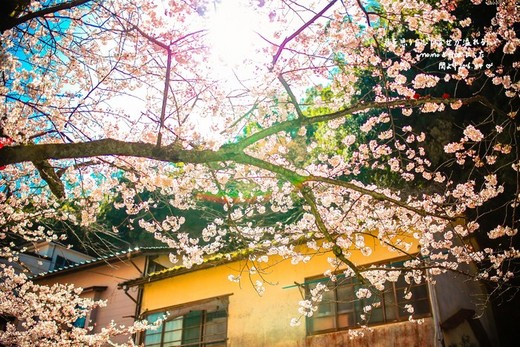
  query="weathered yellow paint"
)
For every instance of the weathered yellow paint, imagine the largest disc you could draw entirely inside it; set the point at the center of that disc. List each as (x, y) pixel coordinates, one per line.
(253, 320)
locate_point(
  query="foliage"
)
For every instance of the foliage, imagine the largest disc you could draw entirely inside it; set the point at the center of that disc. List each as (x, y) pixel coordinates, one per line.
(350, 125)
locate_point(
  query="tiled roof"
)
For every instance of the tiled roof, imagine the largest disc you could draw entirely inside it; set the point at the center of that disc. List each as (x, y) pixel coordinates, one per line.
(102, 259)
(211, 261)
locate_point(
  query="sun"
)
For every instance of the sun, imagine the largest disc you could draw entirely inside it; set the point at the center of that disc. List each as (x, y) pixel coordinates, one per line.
(232, 32)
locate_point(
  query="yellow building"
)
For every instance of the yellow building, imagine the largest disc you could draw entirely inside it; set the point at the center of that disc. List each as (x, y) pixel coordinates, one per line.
(246, 300)
(208, 307)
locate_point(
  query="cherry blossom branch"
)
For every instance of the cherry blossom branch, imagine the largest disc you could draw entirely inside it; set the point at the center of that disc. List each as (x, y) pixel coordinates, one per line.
(308, 195)
(422, 268)
(299, 180)
(299, 122)
(49, 175)
(150, 38)
(244, 116)
(165, 95)
(173, 154)
(109, 147)
(281, 47)
(294, 101)
(234, 152)
(9, 24)
(377, 196)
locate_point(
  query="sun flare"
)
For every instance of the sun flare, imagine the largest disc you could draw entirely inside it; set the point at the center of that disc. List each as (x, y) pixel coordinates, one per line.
(232, 32)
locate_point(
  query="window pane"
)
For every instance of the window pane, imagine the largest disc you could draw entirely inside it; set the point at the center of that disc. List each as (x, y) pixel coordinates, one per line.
(321, 323)
(346, 320)
(152, 318)
(173, 332)
(345, 305)
(419, 299)
(346, 298)
(192, 327)
(151, 339)
(215, 327)
(375, 316)
(420, 291)
(421, 307)
(326, 307)
(390, 306)
(324, 317)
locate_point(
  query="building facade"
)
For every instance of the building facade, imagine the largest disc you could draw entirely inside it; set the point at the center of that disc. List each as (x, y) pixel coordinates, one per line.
(100, 278)
(244, 301)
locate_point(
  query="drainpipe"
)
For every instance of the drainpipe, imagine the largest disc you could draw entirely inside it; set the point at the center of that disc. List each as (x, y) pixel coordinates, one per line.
(437, 332)
(140, 288)
(139, 299)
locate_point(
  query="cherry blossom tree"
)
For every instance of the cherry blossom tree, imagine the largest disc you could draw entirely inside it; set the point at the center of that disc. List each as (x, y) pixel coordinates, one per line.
(46, 314)
(362, 123)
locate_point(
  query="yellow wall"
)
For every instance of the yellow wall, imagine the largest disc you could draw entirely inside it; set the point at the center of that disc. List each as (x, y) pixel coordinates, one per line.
(253, 320)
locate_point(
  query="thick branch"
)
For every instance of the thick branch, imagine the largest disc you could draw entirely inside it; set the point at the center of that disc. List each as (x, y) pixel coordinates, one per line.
(109, 147)
(234, 152)
(49, 175)
(287, 174)
(294, 101)
(298, 180)
(165, 96)
(19, 154)
(299, 122)
(52, 9)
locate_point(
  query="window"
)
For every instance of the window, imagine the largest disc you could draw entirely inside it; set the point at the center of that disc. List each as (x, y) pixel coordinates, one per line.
(198, 324)
(89, 317)
(154, 267)
(341, 309)
(81, 322)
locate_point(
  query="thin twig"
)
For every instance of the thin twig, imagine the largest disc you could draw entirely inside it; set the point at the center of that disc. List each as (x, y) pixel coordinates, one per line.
(281, 47)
